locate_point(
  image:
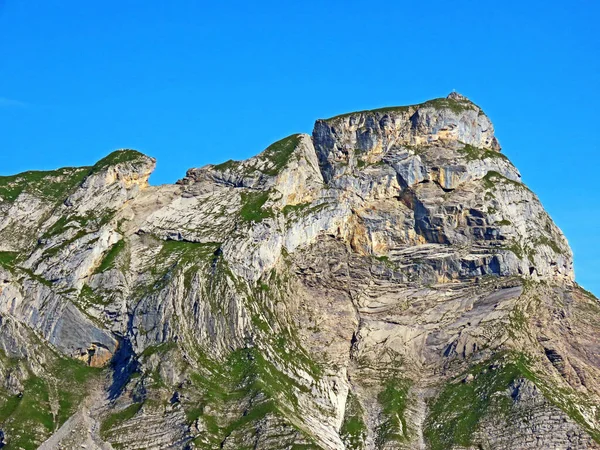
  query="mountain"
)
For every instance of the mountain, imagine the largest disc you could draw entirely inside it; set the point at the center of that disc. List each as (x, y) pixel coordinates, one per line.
(386, 283)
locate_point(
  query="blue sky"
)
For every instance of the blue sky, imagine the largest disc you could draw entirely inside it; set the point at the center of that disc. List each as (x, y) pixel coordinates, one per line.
(192, 83)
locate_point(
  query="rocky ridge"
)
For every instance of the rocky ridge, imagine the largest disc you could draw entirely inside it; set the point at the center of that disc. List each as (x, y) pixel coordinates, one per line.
(386, 283)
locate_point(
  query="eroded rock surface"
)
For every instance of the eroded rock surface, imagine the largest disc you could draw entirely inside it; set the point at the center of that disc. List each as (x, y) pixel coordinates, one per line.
(386, 283)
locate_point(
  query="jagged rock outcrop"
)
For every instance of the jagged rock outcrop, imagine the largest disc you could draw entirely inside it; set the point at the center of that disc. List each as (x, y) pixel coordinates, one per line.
(386, 283)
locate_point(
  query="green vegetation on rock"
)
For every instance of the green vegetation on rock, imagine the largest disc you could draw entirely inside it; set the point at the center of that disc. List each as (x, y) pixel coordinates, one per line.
(393, 400)
(119, 417)
(185, 252)
(252, 209)
(90, 221)
(456, 413)
(279, 153)
(302, 209)
(110, 257)
(229, 164)
(7, 259)
(531, 248)
(52, 251)
(277, 156)
(587, 293)
(517, 249)
(118, 157)
(475, 153)
(158, 349)
(385, 109)
(178, 258)
(88, 296)
(492, 178)
(247, 382)
(29, 418)
(55, 185)
(74, 376)
(456, 106)
(354, 430)
(289, 209)
(229, 395)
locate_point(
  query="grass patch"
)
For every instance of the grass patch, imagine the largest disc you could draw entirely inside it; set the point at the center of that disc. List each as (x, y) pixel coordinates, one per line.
(48, 398)
(87, 295)
(236, 393)
(295, 209)
(72, 390)
(492, 178)
(227, 165)
(8, 406)
(7, 259)
(530, 251)
(456, 106)
(279, 153)
(108, 262)
(158, 348)
(118, 418)
(518, 320)
(55, 185)
(28, 419)
(504, 222)
(118, 157)
(35, 404)
(472, 153)
(354, 430)
(385, 109)
(65, 223)
(393, 400)
(517, 249)
(302, 209)
(178, 257)
(249, 369)
(185, 252)
(456, 413)
(52, 251)
(252, 206)
(383, 258)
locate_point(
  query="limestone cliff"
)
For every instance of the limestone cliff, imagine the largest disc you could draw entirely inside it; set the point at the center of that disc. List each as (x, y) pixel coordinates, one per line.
(386, 283)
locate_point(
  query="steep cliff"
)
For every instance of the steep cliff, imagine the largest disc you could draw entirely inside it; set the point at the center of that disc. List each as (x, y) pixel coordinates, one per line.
(386, 283)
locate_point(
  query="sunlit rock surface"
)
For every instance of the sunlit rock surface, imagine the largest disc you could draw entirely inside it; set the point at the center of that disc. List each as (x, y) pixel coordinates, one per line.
(386, 283)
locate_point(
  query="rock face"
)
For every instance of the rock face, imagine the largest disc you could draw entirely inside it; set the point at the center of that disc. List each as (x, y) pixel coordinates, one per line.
(386, 283)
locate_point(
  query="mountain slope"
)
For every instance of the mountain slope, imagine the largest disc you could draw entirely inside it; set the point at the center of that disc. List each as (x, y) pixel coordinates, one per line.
(386, 283)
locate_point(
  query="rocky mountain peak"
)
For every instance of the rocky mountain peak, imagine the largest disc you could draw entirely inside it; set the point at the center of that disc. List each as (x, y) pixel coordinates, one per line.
(458, 97)
(381, 283)
(449, 121)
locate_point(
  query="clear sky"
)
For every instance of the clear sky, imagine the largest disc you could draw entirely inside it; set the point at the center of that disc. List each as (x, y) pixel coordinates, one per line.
(197, 82)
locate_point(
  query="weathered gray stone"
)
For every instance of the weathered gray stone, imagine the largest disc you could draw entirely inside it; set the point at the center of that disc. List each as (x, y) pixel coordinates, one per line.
(326, 293)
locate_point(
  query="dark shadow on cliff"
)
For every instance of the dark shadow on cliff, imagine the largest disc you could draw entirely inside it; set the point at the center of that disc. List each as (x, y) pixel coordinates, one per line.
(123, 365)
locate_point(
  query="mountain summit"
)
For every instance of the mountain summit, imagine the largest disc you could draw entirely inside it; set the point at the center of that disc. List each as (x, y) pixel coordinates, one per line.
(386, 283)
